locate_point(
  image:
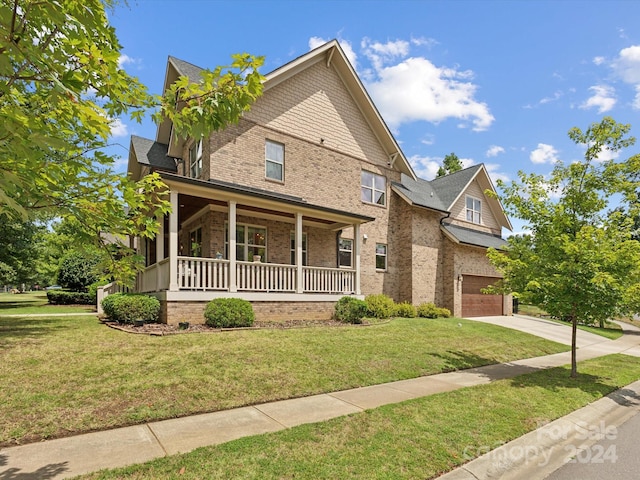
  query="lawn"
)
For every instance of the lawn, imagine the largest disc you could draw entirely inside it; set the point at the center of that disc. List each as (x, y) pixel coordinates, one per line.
(36, 302)
(65, 375)
(419, 438)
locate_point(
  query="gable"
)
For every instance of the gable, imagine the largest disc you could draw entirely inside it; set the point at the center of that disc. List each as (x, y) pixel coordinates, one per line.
(475, 190)
(314, 105)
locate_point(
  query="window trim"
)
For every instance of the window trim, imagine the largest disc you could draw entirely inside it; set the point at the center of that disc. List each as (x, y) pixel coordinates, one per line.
(305, 247)
(268, 160)
(473, 210)
(372, 188)
(340, 249)
(385, 255)
(196, 162)
(245, 243)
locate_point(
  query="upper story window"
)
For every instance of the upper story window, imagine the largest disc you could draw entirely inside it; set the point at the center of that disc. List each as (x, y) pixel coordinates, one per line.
(381, 256)
(195, 159)
(345, 251)
(373, 188)
(474, 210)
(274, 161)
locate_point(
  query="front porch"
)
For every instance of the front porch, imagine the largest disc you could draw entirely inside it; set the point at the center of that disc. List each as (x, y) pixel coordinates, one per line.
(204, 247)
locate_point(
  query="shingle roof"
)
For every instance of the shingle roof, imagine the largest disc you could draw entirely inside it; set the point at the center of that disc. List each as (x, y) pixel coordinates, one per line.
(474, 237)
(152, 153)
(419, 192)
(188, 69)
(449, 187)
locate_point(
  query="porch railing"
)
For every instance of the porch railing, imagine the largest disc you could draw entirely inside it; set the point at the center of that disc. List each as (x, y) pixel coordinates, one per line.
(211, 274)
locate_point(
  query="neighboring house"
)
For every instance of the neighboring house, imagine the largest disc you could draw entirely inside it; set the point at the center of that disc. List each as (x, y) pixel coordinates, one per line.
(310, 198)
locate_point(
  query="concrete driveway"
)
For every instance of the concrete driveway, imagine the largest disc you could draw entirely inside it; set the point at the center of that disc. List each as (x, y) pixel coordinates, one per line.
(543, 328)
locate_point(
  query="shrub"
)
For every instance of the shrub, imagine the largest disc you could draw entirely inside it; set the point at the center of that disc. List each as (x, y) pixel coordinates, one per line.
(350, 310)
(78, 270)
(229, 313)
(127, 307)
(405, 310)
(429, 310)
(60, 297)
(380, 306)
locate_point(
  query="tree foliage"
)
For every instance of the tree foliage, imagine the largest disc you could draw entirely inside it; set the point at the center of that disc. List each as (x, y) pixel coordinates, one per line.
(450, 164)
(579, 262)
(61, 89)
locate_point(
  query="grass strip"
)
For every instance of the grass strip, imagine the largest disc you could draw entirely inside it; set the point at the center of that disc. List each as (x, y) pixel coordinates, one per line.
(35, 303)
(66, 375)
(419, 438)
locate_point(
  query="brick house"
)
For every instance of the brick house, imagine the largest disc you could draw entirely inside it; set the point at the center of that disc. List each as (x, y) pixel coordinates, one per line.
(310, 198)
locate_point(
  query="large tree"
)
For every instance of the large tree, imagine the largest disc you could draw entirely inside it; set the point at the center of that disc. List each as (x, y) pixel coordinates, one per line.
(450, 164)
(61, 88)
(579, 262)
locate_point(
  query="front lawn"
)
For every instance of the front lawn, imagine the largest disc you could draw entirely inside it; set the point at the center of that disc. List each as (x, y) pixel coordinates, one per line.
(64, 375)
(36, 303)
(419, 438)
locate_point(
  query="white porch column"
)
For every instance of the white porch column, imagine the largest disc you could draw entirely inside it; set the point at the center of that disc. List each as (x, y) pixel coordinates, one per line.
(159, 253)
(173, 242)
(233, 281)
(357, 246)
(299, 277)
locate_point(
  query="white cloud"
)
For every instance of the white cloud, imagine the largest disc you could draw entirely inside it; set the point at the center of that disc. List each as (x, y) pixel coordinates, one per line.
(425, 167)
(380, 54)
(127, 60)
(544, 154)
(494, 174)
(118, 129)
(416, 89)
(603, 98)
(428, 139)
(598, 60)
(553, 98)
(315, 42)
(636, 100)
(424, 42)
(494, 150)
(627, 64)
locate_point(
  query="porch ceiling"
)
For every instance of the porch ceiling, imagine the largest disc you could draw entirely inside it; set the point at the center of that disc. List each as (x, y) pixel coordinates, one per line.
(195, 195)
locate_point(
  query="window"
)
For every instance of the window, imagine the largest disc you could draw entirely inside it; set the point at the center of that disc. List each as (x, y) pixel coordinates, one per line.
(381, 256)
(474, 210)
(293, 248)
(345, 249)
(195, 159)
(250, 241)
(373, 188)
(195, 242)
(274, 161)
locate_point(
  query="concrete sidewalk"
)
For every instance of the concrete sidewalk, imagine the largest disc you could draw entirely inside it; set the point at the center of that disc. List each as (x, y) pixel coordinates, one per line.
(66, 457)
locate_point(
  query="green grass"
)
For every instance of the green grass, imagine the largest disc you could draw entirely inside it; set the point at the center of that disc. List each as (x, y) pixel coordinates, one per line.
(611, 331)
(418, 439)
(35, 302)
(64, 375)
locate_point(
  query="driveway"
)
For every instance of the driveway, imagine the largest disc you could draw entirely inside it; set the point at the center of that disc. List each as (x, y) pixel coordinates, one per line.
(544, 328)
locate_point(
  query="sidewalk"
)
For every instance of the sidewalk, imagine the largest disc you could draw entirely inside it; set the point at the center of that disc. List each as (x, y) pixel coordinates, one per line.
(67, 457)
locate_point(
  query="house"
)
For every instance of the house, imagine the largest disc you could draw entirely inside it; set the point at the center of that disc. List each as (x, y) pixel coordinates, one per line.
(309, 198)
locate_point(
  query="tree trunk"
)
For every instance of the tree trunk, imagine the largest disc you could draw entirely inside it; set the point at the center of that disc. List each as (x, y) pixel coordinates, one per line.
(574, 332)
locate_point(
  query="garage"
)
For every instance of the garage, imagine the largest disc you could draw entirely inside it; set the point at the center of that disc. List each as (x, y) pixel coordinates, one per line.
(477, 304)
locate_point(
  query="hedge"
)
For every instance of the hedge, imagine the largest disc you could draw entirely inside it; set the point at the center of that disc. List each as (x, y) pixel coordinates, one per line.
(127, 307)
(229, 313)
(61, 297)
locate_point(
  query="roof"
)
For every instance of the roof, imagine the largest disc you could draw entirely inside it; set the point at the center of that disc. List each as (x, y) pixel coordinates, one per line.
(442, 193)
(193, 72)
(471, 237)
(152, 153)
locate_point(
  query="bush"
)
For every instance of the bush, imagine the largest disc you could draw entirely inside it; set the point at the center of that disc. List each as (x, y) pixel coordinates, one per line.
(380, 306)
(78, 270)
(127, 307)
(429, 310)
(405, 310)
(229, 313)
(350, 310)
(60, 297)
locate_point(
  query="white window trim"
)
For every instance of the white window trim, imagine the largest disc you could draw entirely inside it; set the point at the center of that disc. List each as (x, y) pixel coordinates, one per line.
(385, 255)
(473, 210)
(373, 189)
(267, 160)
(350, 266)
(197, 162)
(244, 240)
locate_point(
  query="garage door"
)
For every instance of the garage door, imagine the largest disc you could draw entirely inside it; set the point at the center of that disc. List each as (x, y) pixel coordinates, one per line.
(474, 302)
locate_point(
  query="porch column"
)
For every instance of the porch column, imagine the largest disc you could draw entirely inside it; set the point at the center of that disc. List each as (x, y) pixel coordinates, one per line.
(233, 281)
(357, 245)
(173, 242)
(299, 277)
(159, 254)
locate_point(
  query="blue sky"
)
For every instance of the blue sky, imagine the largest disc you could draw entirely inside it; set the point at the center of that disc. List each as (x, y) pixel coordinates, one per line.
(497, 82)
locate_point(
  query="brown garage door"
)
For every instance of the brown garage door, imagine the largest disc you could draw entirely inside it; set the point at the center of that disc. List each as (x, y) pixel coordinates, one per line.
(474, 302)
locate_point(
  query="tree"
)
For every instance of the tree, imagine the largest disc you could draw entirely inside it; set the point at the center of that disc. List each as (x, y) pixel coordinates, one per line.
(450, 164)
(61, 88)
(79, 269)
(18, 251)
(579, 262)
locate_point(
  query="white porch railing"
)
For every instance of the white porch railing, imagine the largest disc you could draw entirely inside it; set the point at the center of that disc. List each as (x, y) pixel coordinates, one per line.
(105, 291)
(328, 280)
(209, 274)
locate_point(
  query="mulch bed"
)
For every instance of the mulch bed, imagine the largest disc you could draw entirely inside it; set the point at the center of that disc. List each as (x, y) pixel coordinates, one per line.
(161, 329)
